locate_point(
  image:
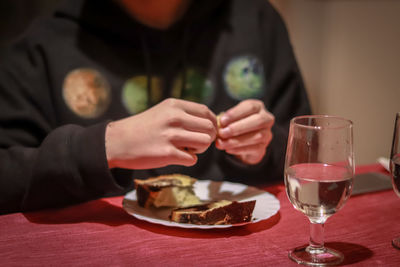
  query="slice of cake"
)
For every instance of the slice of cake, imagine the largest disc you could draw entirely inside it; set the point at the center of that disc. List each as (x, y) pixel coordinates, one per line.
(172, 190)
(219, 212)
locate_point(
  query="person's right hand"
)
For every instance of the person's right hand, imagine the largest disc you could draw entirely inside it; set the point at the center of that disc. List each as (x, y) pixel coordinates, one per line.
(170, 133)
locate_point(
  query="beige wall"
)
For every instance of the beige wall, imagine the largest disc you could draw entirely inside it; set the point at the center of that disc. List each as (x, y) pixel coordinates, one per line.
(349, 54)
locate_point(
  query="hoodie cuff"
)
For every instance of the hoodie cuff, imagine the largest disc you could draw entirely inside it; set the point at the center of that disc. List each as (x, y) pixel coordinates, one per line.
(90, 154)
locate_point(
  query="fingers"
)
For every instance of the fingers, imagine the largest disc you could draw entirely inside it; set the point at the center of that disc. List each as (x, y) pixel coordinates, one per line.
(245, 131)
(191, 142)
(262, 137)
(241, 110)
(182, 157)
(192, 116)
(195, 109)
(196, 124)
(247, 116)
(252, 123)
(251, 154)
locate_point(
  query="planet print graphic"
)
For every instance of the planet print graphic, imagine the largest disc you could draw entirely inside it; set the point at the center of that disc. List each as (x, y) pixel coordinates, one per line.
(198, 88)
(135, 97)
(244, 78)
(86, 92)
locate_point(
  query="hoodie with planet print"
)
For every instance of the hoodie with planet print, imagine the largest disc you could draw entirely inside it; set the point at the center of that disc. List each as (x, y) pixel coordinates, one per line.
(91, 63)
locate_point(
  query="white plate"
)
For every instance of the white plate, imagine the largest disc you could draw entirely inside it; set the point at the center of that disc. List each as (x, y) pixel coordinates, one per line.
(385, 162)
(266, 206)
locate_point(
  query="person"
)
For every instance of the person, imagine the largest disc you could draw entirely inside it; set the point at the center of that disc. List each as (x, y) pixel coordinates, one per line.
(106, 91)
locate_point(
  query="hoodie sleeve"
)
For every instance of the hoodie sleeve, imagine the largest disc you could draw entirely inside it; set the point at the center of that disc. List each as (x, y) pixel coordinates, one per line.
(43, 165)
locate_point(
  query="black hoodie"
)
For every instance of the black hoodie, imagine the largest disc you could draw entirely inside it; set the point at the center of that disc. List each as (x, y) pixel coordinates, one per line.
(91, 63)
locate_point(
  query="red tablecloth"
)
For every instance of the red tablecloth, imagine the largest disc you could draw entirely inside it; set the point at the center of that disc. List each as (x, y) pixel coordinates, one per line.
(100, 233)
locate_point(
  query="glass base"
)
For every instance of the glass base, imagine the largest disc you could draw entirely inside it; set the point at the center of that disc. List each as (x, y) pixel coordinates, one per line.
(396, 243)
(316, 257)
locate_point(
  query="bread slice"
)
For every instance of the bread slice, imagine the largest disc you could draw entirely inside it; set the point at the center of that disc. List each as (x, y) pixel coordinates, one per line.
(215, 213)
(172, 190)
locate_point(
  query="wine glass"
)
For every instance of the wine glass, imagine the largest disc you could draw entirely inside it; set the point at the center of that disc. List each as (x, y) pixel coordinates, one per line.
(395, 166)
(319, 170)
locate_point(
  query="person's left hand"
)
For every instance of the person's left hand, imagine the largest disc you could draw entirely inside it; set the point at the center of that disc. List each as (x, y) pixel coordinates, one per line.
(245, 131)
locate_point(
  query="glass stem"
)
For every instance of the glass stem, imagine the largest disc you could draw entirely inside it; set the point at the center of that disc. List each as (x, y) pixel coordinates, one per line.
(316, 238)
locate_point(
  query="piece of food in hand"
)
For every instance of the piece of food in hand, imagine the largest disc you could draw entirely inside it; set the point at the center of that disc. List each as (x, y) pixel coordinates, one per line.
(215, 213)
(219, 119)
(172, 190)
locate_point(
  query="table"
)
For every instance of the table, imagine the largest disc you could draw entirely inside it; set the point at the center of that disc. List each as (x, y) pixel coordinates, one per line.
(101, 233)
